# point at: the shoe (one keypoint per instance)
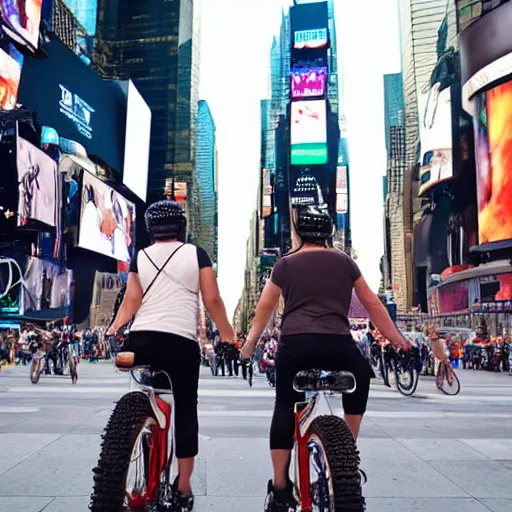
(183, 502)
(280, 501)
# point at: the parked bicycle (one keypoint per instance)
(137, 464)
(325, 455)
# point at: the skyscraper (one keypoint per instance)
(205, 171)
(156, 44)
(86, 12)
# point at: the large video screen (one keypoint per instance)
(11, 61)
(107, 220)
(308, 132)
(310, 39)
(37, 184)
(71, 98)
(24, 17)
(308, 82)
(435, 110)
(136, 152)
(493, 138)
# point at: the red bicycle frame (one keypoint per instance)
(158, 450)
(302, 462)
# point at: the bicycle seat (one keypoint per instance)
(125, 360)
(322, 380)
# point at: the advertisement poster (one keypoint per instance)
(24, 17)
(308, 132)
(435, 109)
(107, 220)
(341, 180)
(308, 82)
(341, 203)
(493, 134)
(310, 39)
(11, 62)
(37, 179)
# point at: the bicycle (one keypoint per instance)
(248, 364)
(446, 376)
(404, 368)
(324, 446)
(137, 459)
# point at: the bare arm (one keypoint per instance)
(266, 306)
(131, 303)
(378, 313)
(214, 304)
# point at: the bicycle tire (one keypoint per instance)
(454, 388)
(408, 390)
(73, 371)
(250, 374)
(126, 422)
(35, 374)
(342, 457)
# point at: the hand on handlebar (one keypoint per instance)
(404, 345)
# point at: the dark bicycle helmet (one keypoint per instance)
(166, 219)
(314, 223)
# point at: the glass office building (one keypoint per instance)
(156, 44)
(86, 12)
(206, 176)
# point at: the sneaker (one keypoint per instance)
(183, 502)
(279, 501)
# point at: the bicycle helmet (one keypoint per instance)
(165, 220)
(314, 223)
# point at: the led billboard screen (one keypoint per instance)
(11, 61)
(308, 82)
(37, 178)
(24, 17)
(493, 137)
(308, 132)
(310, 39)
(71, 98)
(136, 152)
(107, 220)
(435, 109)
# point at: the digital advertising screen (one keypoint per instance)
(107, 220)
(493, 139)
(37, 185)
(71, 98)
(11, 62)
(308, 82)
(309, 132)
(136, 152)
(310, 39)
(435, 110)
(24, 17)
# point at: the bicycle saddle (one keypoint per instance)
(125, 360)
(322, 380)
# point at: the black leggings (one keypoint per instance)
(309, 351)
(180, 358)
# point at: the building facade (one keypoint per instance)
(86, 12)
(206, 177)
(156, 44)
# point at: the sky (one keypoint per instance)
(235, 63)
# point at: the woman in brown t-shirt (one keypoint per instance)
(316, 282)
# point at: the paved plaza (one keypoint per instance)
(426, 453)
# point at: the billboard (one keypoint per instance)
(23, 17)
(493, 139)
(308, 132)
(107, 220)
(11, 61)
(37, 182)
(71, 98)
(310, 39)
(341, 180)
(136, 151)
(308, 82)
(435, 111)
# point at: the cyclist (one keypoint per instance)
(162, 294)
(316, 282)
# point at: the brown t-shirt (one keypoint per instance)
(317, 290)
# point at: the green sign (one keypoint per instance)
(314, 153)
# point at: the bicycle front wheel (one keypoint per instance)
(335, 480)
(450, 384)
(73, 371)
(406, 380)
(122, 473)
(35, 372)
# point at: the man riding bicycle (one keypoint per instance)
(316, 282)
(162, 295)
